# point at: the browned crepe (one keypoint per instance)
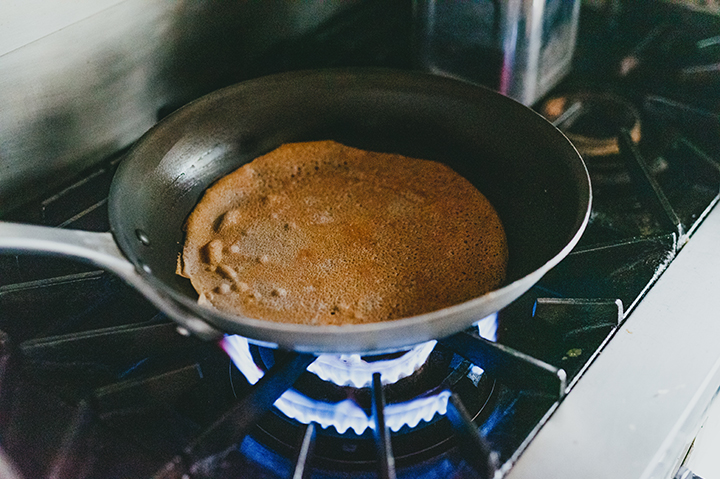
(320, 233)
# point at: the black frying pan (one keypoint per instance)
(528, 170)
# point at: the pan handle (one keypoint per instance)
(99, 249)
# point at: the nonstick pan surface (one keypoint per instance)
(528, 170)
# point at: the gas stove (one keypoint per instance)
(606, 367)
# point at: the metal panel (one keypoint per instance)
(87, 90)
(25, 21)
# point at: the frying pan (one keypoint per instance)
(527, 169)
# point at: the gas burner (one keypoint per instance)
(357, 371)
(343, 371)
(592, 121)
(352, 372)
(416, 410)
(595, 123)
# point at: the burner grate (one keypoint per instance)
(120, 378)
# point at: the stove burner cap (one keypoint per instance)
(592, 121)
(346, 414)
(353, 370)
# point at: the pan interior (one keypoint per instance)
(528, 171)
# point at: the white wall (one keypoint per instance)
(82, 79)
(24, 21)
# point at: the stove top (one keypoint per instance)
(605, 367)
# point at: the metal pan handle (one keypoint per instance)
(99, 249)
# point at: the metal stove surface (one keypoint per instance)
(605, 368)
(637, 409)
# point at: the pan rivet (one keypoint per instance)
(183, 331)
(143, 237)
(147, 269)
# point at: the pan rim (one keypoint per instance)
(326, 338)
